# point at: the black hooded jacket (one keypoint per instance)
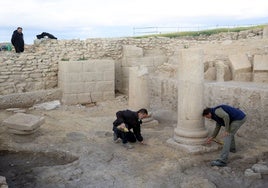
(18, 41)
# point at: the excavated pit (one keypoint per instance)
(17, 166)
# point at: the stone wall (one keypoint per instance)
(27, 72)
(37, 68)
(252, 98)
(84, 82)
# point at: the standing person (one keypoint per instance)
(17, 40)
(232, 119)
(126, 120)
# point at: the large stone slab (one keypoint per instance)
(20, 132)
(24, 122)
(240, 67)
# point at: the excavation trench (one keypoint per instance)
(17, 166)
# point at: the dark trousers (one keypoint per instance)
(125, 136)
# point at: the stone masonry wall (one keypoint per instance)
(87, 81)
(27, 72)
(37, 68)
(252, 98)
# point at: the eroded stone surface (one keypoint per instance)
(24, 122)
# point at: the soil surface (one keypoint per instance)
(75, 148)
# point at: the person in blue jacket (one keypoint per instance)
(127, 126)
(232, 119)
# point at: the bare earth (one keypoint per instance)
(75, 148)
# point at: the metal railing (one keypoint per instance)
(162, 30)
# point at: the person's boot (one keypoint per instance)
(233, 150)
(116, 138)
(218, 162)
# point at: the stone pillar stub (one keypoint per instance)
(265, 32)
(139, 92)
(190, 133)
(138, 88)
(220, 71)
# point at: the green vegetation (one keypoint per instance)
(65, 59)
(202, 33)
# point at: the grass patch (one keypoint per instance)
(202, 32)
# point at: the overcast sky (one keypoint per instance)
(81, 19)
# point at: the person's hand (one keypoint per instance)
(121, 126)
(225, 134)
(209, 140)
(143, 143)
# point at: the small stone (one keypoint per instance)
(260, 168)
(251, 174)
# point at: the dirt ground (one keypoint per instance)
(75, 148)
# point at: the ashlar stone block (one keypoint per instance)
(260, 63)
(24, 122)
(240, 64)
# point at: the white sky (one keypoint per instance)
(87, 15)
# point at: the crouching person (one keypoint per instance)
(127, 126)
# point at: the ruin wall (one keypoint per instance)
(36, 70)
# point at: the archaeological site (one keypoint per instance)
(58, 101)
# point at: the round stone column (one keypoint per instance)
(190, 127)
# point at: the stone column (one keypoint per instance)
(190, 133)
(139, 92)
(220, 71)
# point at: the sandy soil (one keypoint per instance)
(77, 142)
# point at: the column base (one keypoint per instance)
(193, 149)
(149, 122)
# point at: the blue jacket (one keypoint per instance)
(234, 114)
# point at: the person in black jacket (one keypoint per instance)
(231, 119)
(125, 121)
(45, 34)
(17, 40)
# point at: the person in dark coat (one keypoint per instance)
(45, 34)
(125, 121)
(231, 119)
(17, 40)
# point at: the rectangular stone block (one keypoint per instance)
(74, 66)
(260, 63)
(89, 76)
(24, 122)
(97, 96)
(108, 76)
(239, 64)
(69, 99)
(104, 65)
(90, 87)
(260, 77)
(105, 86)
(72, 88)
(89, 66)
(84, 98)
